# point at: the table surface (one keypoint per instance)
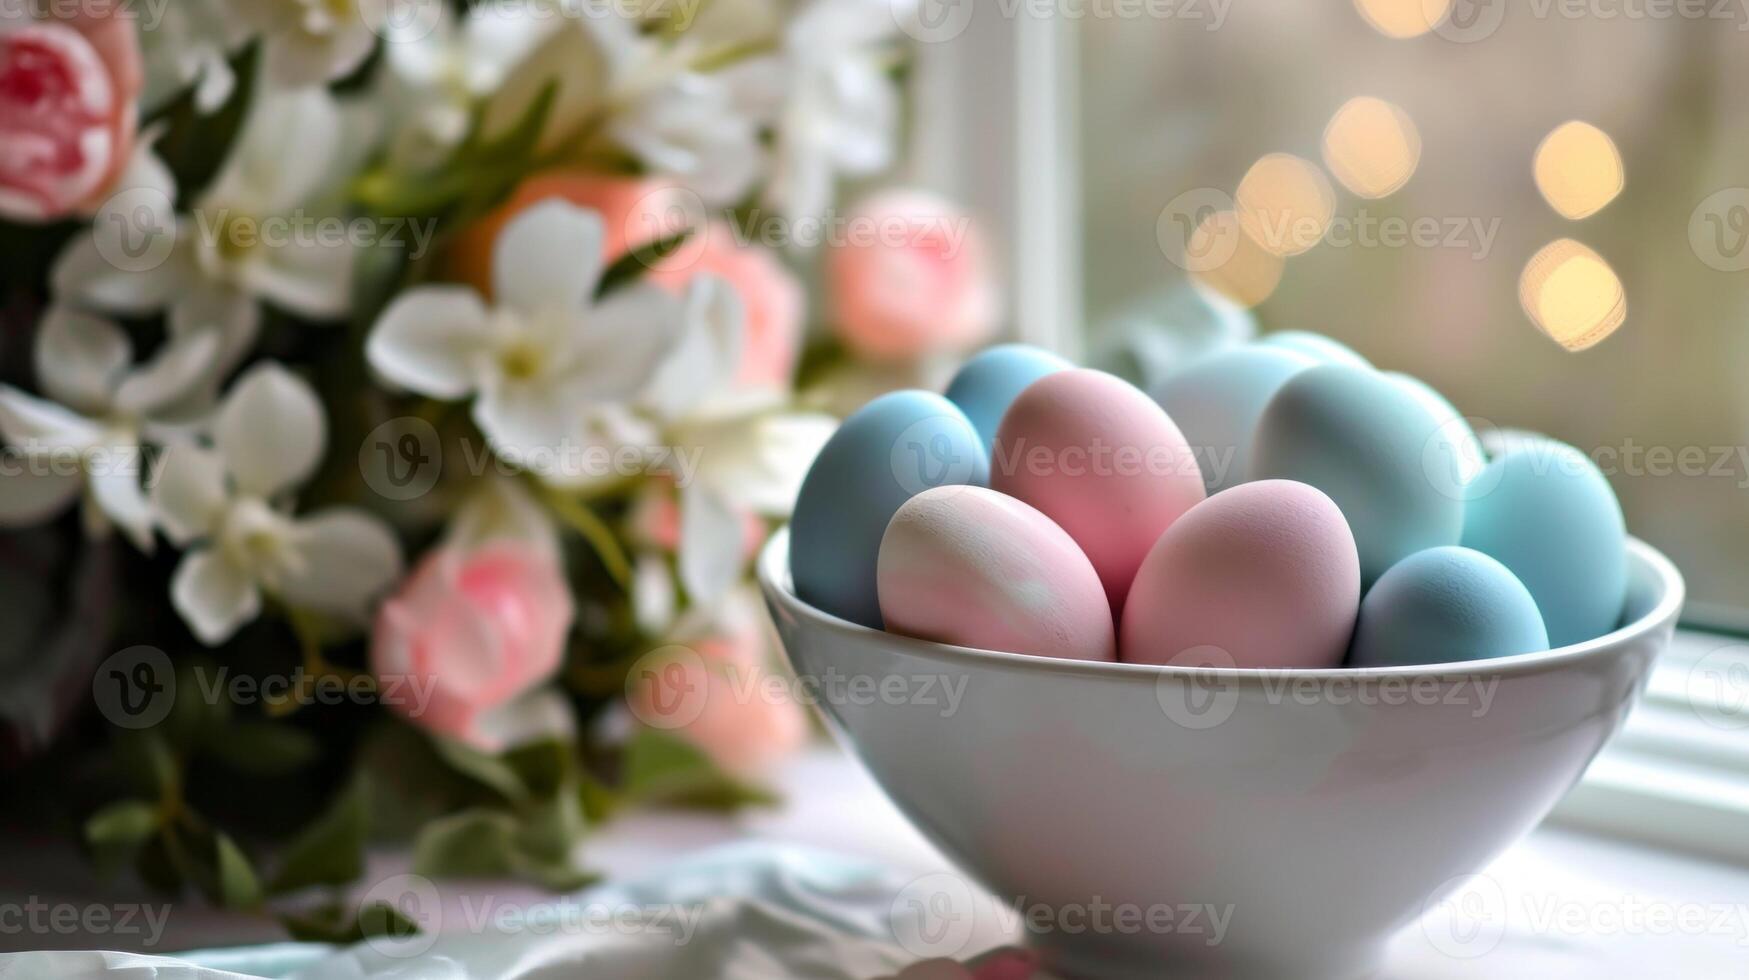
(1560, 904)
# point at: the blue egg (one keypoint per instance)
(1316, 346)
(1217, 401)
(986, 384)
(1446, 605)
(886, 452)
(1544, 510)
(1375, 449)
(1466, 448)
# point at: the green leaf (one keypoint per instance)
(264, 748)
(663, 768)
(383, 919)
(329, 851)
(631, 266)
(128, 822)
(482, 767)
(238, 886)
(118, 831)
(476, 843)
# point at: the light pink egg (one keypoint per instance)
(1266, 573)
(972, 567)
(1101, 459)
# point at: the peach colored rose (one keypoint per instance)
(68, 113)
(770, 294)
(722, 698)
(909, 275)
(468, 632)
(634, 211)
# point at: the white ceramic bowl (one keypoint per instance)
(1320, 810)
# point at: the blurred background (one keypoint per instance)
(1140, 119)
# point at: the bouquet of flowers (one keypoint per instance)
(393, 396)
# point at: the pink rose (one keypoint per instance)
(769, 291)
(655, 520)
(910, 276)
(68, 116)
(721, 698)
(468, 632)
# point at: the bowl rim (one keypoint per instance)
(774, 580)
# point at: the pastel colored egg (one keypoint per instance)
(1375, 448)
(988, 383)
(1544, 510)
(1217, 401)
(976, 568)
(888, 451)
(1465, 447)
(1101, 459)
(1446, 605)
(1316, 346)
(1265, 572)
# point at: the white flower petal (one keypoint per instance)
(282, 157)
(33, 491)
(213, 595)
(759, 461)
(711, 536)
(80, 358)
(624, 339)
(576, 58)
(347, 559)
(503, 509)
(188, 492)
(526, 422)
(181, 366)
(37, 425)
(81, 273)
(211, 305)
(270, 430)
(114, 478)
(548, 258)
(653, 596)
(313, 278)
(429, 340)
(705, 359)
(294, 57)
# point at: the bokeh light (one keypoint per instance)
(1578, 169)
(1371, 146)
(1285, 203)
(1572, 294)
(1403, 18)
(1248, 274)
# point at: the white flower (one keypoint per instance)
(751, 452)
(500, 508)
(437, 72)
(89, 435)
(226, 505)
(833, 106)
(191, 45)
(309, 42)
(247, 236)
(644, 95)
(547, 360)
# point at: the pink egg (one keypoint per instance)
(1265, 573)
(972, 567)
(1101, 459)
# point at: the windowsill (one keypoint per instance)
(1677, 775)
